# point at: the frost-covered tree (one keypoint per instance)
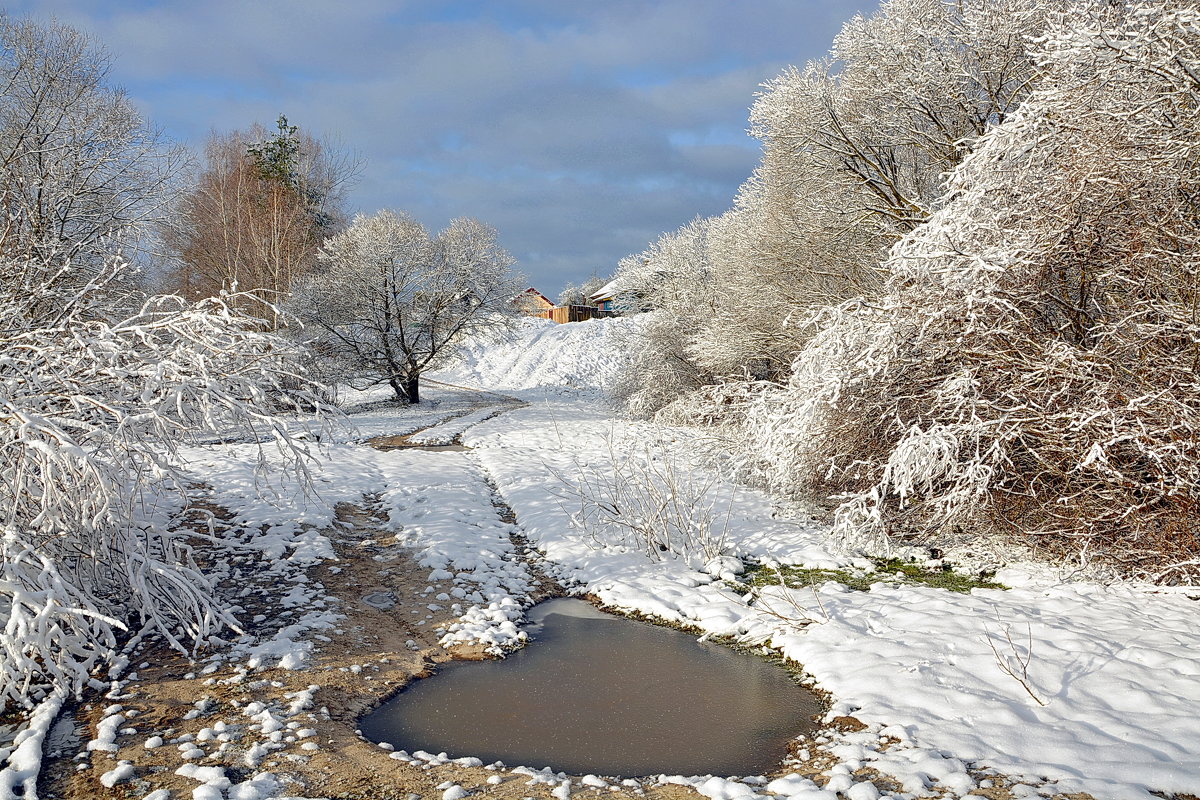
(391, 297)
(99, 387)
(856, 148)
(903, 95)
(93, 408)
(855, 152)
(581, 294)
(78, 165)
(1031, 367)
(671, 282)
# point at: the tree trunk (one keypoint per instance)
(407, 388)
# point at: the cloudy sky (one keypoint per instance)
(581, 130)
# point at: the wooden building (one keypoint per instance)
(604, 298)
(533, 302)
(561, 314)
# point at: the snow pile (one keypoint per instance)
(539, 354)
(494, 627)
(23, 762)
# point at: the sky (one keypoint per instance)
(580, 130)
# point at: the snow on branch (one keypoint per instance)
(93, 407)
(1031, 367)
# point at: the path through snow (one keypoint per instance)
(921, 702)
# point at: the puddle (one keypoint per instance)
(66, 736)
(8, 734)
(402, 443)
(384, 601)
(595, 693)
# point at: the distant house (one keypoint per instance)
(532, 302)
(603, 298)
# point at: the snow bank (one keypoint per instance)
(539, 354)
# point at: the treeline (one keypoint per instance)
(958, 298)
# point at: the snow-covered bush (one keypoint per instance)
(856, 148)
(671, 279)
(93, 406)
(1032, 365)
(649, 499)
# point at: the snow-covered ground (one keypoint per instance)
(1115, 669)
(573, 359)
(1047, 687)
(1106, 677)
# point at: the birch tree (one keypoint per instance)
(259, 211)
(80, 171)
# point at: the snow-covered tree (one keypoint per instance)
(93, 408)
(391, 297)
(855, 152)
(78, 165)
(1031, 368)
(671, 282)
(581, 294)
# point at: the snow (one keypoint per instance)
(1061, 686)
(541, 354)
(1115, 665)
(107, 730)
(118, 774)
(21, 765)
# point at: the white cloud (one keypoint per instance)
(581, 130)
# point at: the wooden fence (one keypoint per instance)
(561, 314)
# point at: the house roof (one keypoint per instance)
(535, 293)
(606, 291)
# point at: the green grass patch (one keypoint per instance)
(887, 570)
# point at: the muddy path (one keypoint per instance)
(184, 728)
(212, 728)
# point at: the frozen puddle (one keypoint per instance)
(594, 693)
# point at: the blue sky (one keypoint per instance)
(580, 130)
